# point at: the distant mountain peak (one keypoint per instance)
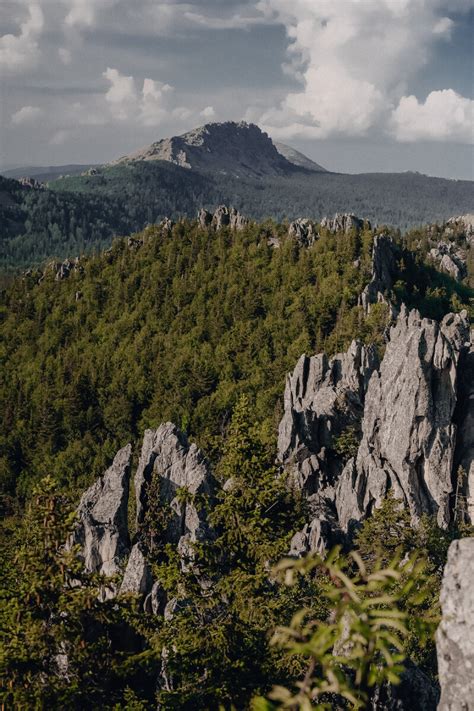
(233, 148)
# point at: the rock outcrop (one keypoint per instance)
(166, 225)
(222, 217)
(344, 223)
(455, 635)
(62, 270)
(303, 231)
(323, 397)
(409, 424)
(179, 465)
(384, 266)
(408, 434)
(102, 529)
(450, 259)
(184, 487)
(461, 226)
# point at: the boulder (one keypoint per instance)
(102, 529)
(455, 635)
(450, 259)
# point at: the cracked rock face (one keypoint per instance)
(408, 435)
(179, 465)
(384, 254)
(102, 529)
(455, 635)
(322, 398)
(413, 414)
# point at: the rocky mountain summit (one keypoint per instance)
(230, 148)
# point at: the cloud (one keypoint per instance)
(154, 102)
(152, 106)
(444, 115)
(26, 115)
(208, 113)
(20, 52)
(83, 13)
(353, 61)
(122, 95)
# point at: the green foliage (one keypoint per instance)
(80, 214)
(347, 443)
(217, 641)
(62, 645)
(171, 331)
(361, 645)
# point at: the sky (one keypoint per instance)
(357, 85)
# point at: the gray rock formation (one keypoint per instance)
(222, 217)
(408, 435)
(102, 529)
(137, 577)
(413, 415)
(237, 221)
(298, 159)
(323, 397)
(204, 218)
(167, 225)
(450, 259)
(180, 466)
(321, 533)
(134, 243)
(238, 149)
(344, 223)
(461, 226)
(31, 183)
(64, 269)
(303, 231)
(455, 635)
(384, 265)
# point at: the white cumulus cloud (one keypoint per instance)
(19, 52)
(150, 106)
(353, 60)
(122, 95)
(442, 116)
(26, 115)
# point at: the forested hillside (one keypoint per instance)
(81, 214)
(199, 327)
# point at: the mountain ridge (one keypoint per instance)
(238, 148)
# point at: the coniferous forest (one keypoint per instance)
(199, 327)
